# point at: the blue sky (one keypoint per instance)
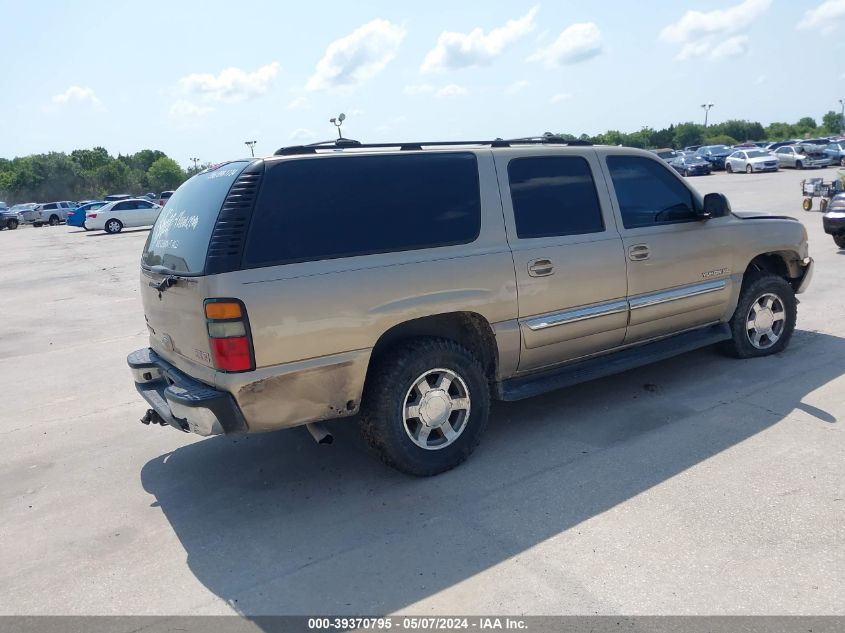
(198, 79)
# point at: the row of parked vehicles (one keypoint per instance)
(111, 214)
(752, 157)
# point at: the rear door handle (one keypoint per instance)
(540, 268)
(638, 252)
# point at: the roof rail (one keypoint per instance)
(343, 143)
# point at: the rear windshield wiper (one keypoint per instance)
(170, 278)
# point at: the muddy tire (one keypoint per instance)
(764, 319)
(425, 406)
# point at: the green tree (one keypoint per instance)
(687, 134)
(833, 122)
(165, 173)
(720, 139)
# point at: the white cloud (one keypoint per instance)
(760, 80)
(298, 104)
(183, 109)
(419, 89)
(703, 34)
(452, 90)
(77, 94)
(517, 86)
(357, 57)
(461, 50)
(560, 97)
(302, 134)
(577, 43)
(232, 85)
(735, 46)
(824, 17)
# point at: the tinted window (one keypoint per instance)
(554, 196)
(333, 207)
(50, 206)
(648, 193)
(179, 239)
(122, 206)
(143, 204)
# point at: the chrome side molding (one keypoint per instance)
(675, 294)
(579, 314)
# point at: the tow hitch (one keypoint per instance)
(152, 416)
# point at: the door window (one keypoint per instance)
(648, 193)
(553, 196)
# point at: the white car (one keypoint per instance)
(112, 217)
(751, 160)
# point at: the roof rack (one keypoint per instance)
(348, 143)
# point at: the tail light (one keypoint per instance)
(229, 336)
(90, 215)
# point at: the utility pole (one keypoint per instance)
(706, 107)
(251, 145)
(196, 160)
(842, 117)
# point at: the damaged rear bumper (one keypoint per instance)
(181, 401)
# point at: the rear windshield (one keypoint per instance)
(179, 239)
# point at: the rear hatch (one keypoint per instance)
(174, 265)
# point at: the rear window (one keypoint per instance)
(327, 208)
(179, 239)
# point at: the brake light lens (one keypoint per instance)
(229, 336)
(90, 215)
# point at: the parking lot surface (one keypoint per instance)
(699, 485)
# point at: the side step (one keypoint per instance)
(609, 364)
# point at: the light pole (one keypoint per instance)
(706, 107)
(196, 160)
(842, 117)
(251, 145)
(337, 122)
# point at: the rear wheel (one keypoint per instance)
(729, 169)
(425, 406)
(37, 225)
(799, 165)
(807, 204)
(842, 161)
(764, 319)
(54, 220)
(114, 226)
(12, 225)
(839, 240)
(748, 169)
(823, 205)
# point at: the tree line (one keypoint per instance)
(88, 174)
(682, 135)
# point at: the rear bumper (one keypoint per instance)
(181, 401)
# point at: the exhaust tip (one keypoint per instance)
(320, 433)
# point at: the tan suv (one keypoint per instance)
(412, 283)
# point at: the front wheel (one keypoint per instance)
(842, 162)
(807, 204)
(425, 406)
(823, 205)
(764, 319)
(748, 169)
(12, 225)
(839, 240)
(54, 220)
(729, 169)
(799, 165)
(114, 226)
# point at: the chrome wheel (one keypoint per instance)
(436, 409)
(765, 321)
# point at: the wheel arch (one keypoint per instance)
(468, 329)
(784, 264)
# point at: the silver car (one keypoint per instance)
(801, 156)
(751, 160)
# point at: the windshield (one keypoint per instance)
(23, 207)
(179, 239)
(718, 148)
(758, 154)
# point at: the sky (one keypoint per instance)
(196, 80)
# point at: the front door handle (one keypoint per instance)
(638, 252)
(540, 268)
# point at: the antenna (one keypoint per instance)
(337, 122)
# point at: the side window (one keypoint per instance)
(120, 206)
(648, 193)
(329, 207)
(50, 207)
(142, 204)
(552, 196)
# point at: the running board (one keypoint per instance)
(609, 364)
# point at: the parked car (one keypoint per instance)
(25, 210)
(117, 196)
(115, 216)
(9, 219)
(750, 161)
(3, 206)
(771, 147)
(692, 148)
(715, 155)
(52, 213)
(149, 196)
(691, 165)
(836, 152)
(78, 215)
(413, 286)
(164, 197)
(801, 156)
(833, 220)
(666, 154)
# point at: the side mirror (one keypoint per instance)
(716, 205)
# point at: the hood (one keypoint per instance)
(761, 215)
